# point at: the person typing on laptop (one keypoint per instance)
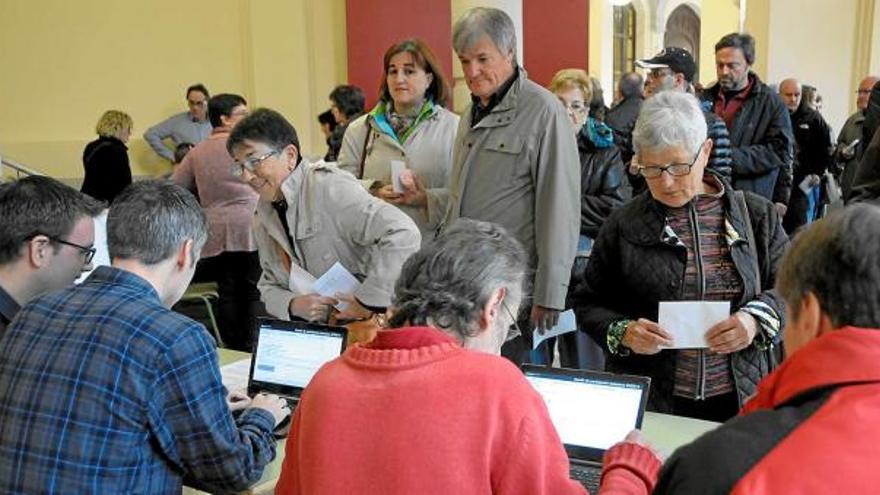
(104, 389)
(429, 406)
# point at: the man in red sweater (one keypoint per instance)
(430, 407)
(812, 426)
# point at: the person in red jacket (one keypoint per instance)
(430, 407)
(812, 427)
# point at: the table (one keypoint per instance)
(665, 433)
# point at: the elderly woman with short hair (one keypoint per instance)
(429, 407)
(105, 160)
(690, 237)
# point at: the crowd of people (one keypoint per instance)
(465, 232)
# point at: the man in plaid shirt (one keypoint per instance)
(103, 389)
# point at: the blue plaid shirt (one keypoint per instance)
(104, 390)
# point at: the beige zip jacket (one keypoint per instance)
(331, 218)
(427, 152)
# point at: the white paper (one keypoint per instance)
(301, 281)
(397, 168)
(688, 321)
(235, 375)
(565, 324)
(336, 280)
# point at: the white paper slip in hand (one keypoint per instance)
(336, 280)
(397, 168)
(688, 321)
(235, 376)
(565, 324)
(300, 281)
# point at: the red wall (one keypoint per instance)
(374, 25)
(554, 37)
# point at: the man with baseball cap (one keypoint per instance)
(673, 69)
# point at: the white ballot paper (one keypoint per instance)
(300, 281)
(688, 321)
(235, 375)
(565, 324)
(336, 280)
(397, 168)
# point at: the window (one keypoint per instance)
(624, 41)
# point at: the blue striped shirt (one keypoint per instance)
(104, 390)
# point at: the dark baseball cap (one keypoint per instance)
(676, 59)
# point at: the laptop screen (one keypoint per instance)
(288, 354)
(590, 410)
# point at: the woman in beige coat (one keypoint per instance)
(409, 125)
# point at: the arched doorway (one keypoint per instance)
(683, 31)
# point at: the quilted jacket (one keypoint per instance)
(633, 267)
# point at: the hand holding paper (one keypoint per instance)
(336, 280)
(732, 334)
(689, 321)
(565, 324)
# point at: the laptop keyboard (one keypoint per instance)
(587, 476)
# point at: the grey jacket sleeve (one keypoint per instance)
(349, 158)
(274, 283)
(156, 134)
(557, 210)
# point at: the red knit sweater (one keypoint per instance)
(415, 413)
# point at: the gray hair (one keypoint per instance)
(670, 119)
(450, 280)
(479, 21)
(149, 221)
(836, 259)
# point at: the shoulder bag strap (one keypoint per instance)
(366, 144)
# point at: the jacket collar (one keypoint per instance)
(504, 112)
(844, 356)
(647, 223)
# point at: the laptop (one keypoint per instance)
(287, 354)
(591, 411)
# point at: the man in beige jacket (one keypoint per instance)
(311, 216)
(515, 161)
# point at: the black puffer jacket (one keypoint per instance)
(601, 184)
(631, 270)
(761, 139)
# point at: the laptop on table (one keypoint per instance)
(287, 354)
(591, 411)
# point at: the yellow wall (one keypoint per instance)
(718, 17)
(758, 25)
(65, 62)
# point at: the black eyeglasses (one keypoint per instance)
(673, 169)
(87, 252)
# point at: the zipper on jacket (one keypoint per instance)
(701, 280)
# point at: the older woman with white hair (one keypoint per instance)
(429, 406)
(690, 237)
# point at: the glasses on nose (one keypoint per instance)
(658, 73)
(251, 164)
(575, 107)
(197, 103)
(863, 92)
(87, 252)
(673, 169)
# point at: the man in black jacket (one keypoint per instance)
(866, 184)
(760, 129)
(812, 158)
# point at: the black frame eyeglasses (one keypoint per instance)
(673, 169)
(87, 252)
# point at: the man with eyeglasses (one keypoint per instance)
(849, 142)
(674, 69)
(185, 127)
(311, 216)
(47, 239)
(105, 389)
(230, 254)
